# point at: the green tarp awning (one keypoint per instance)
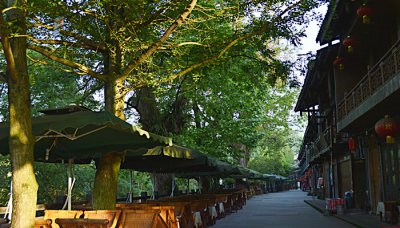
(175, 159)
(83, 135)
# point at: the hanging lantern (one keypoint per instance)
(339, 63)
(352, 144)
(387, 127)
(349, 43)
(365, 12)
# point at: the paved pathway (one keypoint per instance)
(282, 209)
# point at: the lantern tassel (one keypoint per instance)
(366, 19)
(350, 49)
(389, 139)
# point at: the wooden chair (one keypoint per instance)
(228, 204)
(202, 207)
(82, 223)
(4, 223)
(141, 219)
(111, 215)
(40, 222)
(48, 220)
(391, 212)
(182, 212)
(167, 212)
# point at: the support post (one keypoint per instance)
(70, 176)
(187, 192)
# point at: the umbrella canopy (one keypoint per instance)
(175, 159)
(83, 135)
(213, 167)
(243, 172)
(164, 159)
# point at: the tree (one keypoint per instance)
(135, 44)
(13, 39)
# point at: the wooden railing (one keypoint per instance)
(322, 144)
(377, 76)
(303, 168)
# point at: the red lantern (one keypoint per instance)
(349, 43)
(365, 12)
(339, 62)
(352, 144)
(387, 127)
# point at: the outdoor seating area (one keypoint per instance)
(144, 152)
(202, 210)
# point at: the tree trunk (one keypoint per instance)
(21, 140)
(105, 182)
(107, 170)
(163, 183)
(106, 178)
(150, 116)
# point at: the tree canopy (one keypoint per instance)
(208, 73)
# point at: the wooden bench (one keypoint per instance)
(391, 212)
(82, 223)
(167, 212)
(112, 216)
(48, 220)
(141, 219)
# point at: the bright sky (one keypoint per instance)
(309, 43)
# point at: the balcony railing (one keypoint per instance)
(302, 168)
(322, 144)
(377, 76)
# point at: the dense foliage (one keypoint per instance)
(208, 73)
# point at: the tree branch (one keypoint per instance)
(67, 43)
(163, 38)
(74, 65)
(5, 41)
(88, 42)
(229, 46)
(207, 61)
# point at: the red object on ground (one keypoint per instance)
(332, 203)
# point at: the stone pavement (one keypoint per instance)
(280, 210)
(356, 217)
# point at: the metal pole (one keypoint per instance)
(331, 178)
(187, 192)
(70, 174)
(173, 185)
(130, 196)
(153, 184)
(8, 213)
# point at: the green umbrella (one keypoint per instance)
(164, 159)
(212, 167)
(76, 133)
(82, 136)
(175, 159)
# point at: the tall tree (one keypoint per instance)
(13, 38)
(135, 44)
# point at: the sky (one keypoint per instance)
(309, 43)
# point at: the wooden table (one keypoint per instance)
(82, 223)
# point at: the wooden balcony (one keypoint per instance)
(379, 75)
(322, 144)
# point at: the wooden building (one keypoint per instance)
(352, 97)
